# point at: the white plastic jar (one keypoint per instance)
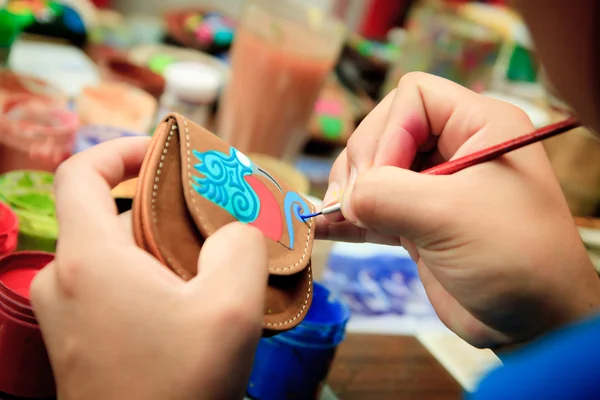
(191, 89)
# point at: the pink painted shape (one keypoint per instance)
(328, 107)
(204, 33)
(269, 219)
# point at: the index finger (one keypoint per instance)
(84, 205)
(427, 109)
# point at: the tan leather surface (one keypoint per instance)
(192, 183)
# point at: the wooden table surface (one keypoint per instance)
(375, 367)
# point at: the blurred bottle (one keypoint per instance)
(192, 89)
(281, 57)
(441, 41)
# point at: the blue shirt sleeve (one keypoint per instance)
(561, 365)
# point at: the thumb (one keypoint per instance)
(400, 202)
(233, 270)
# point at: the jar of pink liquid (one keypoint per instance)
(281, 57)
(35, 133)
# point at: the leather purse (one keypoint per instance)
(192, 183)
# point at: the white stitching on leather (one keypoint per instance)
(303, 307)
(189, 169)
(183, 273)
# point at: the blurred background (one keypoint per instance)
(286, 82)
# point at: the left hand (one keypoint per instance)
(117, 323)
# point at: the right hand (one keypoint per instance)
(496, 246)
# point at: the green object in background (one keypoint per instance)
(522, 65)
(11, 26)
(14, 19)
(331, 126)
(36, 232)
(365, 48)
(30, 195)
(40, 180)
(160, 62)
(38, 202)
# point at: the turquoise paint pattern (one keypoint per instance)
(294, 207)
(223, 183)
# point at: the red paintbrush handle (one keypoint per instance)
(498, 150)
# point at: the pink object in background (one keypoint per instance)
(328, 107)
(36, 129)
(35, 133)
(204, 34)
(9, 230)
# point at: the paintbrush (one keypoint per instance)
(485, 155)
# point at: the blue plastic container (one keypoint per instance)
(295, 364)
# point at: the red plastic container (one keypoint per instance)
(25, 369)
(9, 229)
(380, 16)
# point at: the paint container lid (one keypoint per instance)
(195, 82)
(39, 202)
(35, 210)
(17, 271)
(41, 180)
(30, 195)
(29, 191)
(37, 225)
(324, 324)
(9, 229)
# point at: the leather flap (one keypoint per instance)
(221, 185)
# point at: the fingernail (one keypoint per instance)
(348, 213)
(352, 178)
(347, 207)
(332, 196)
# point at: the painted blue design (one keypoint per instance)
(294, 206)
(223, 183)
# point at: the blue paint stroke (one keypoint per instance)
(293, 203)
(312, 215)
(223, 183)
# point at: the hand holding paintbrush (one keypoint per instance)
(494, 244)
(488, 154)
